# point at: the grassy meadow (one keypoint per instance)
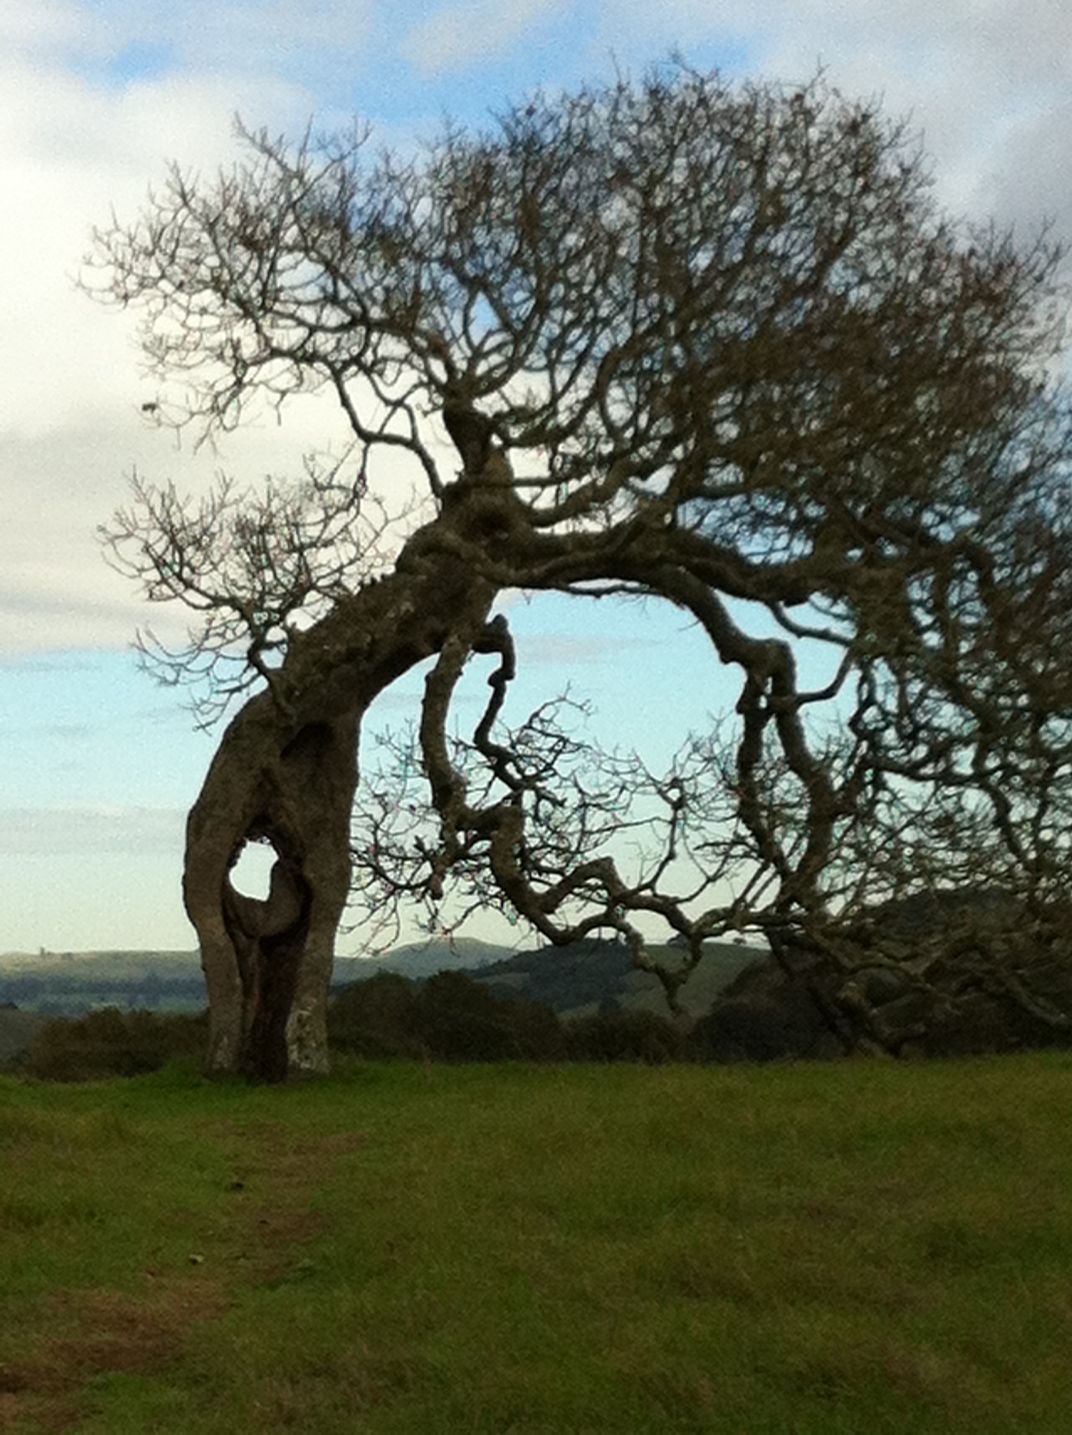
(815, 1249)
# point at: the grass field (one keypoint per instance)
(815, 1249)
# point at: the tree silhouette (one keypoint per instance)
(708, 344)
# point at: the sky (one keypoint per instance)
(98, 764)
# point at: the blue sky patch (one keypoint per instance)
(134, 64)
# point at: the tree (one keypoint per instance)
(671, 338)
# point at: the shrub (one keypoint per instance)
(449, 1017)
(377, 1018)
(111, 1043)
(463, 1021)
(625, 1035)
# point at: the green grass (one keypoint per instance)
(814, 1249)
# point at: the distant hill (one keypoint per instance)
(106, 963)
(576, 980)
(419, 960)
(579, 979)
(70, 983)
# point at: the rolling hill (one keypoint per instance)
(573, 980)
(578, 980)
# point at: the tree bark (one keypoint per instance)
(286, 772)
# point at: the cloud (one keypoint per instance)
(459, 36)
(58, 662)
(61, 732)
(72, 831)
(40, 25)
(569, 650)
(59, 485)
(109, 41)
(986, 84)
(84, 124)
(71, 153)
(981, 78)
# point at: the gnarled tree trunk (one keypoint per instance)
(286, 772)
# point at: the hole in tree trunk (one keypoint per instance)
(266, 902)
(251, 874)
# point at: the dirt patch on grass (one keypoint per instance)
(273, 1184)
(264, 1221)
(93, 1331)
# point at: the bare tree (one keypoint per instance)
(713, 345)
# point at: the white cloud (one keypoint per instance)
(39, 24)
(472, 33)
(71, 831)
(75, 146)
(987, 81)
(56, 662)
(261, 37)
(71, 154)
(568, 650)
(59, 485)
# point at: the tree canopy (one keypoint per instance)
(706, 343)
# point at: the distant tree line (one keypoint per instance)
(452, 1017)
(449, 1017)
(71, 993)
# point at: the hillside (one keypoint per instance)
(419, 960)
(71, 983)
(579, 979)
(573, 980)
